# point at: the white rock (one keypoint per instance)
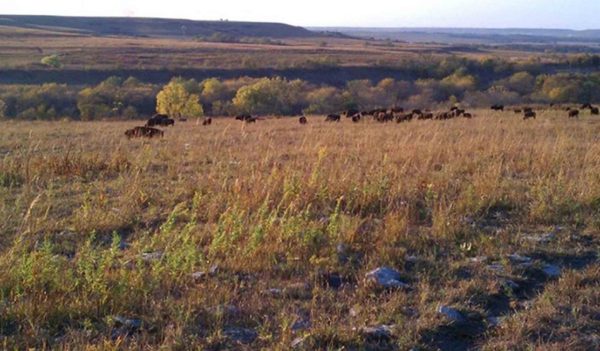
(452, 314)
(386, 277)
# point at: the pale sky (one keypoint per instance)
(571, 14)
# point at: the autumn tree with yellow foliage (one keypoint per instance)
(176, 101)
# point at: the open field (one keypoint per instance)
(494, 220)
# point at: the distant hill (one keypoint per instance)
(471, 35)
(154, 27)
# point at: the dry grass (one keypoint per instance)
(270, 203)
(23, 49)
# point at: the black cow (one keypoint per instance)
(332, 118)
(573, 113)
(351, 113)
(302, 120)
(207, 121)
(243, 117)
(497, 107)
(356, 118)
(160, 120)
(594, 111)
(529, 114)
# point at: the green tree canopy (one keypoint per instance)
(174, 100)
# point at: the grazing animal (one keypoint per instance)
(243, 117)
(182, 119)
(207, 121)
(467, 115)
(302, 120)
(160, 120)
(529, 114)
(594, 111)
(356, 118)
(397, 110)
(518, 110)
(587, 105)
(143, 132)
(351, 113)
(573, 113)
(250, 120)
(332, 118)
(497, 107)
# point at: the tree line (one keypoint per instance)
(130, 98)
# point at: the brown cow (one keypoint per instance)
(143, 132)
(207, 121)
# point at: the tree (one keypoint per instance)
(213, 90)
(521, 82)
(271, 96)
(324, 100)
(174, 100)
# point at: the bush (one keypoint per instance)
(51, 61)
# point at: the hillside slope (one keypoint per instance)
(154, 27)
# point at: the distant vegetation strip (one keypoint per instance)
(131, 98)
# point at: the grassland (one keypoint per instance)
(101, 236)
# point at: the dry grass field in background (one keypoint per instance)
(494, 218)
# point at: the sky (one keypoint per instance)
(568, 14)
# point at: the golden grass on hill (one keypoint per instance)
(96, 227)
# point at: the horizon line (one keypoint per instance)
(303, 26)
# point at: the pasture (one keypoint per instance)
(259, 236)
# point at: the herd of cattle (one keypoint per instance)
(528, 112)
(397, 114)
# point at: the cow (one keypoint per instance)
(586, 105)
(207, 121)
(351, 113)
(573, 113)
(529, 114)
(467, 115)
(594, 111)
(302, 120)
(160, 120)
(356, 118)
(518, 111)
(250, 120)
(332, 118)
(143, 132)
(397, 109)
(497, 107)
(182, 119)
(384, 117)
(243, 117)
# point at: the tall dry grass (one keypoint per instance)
(269, 204)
